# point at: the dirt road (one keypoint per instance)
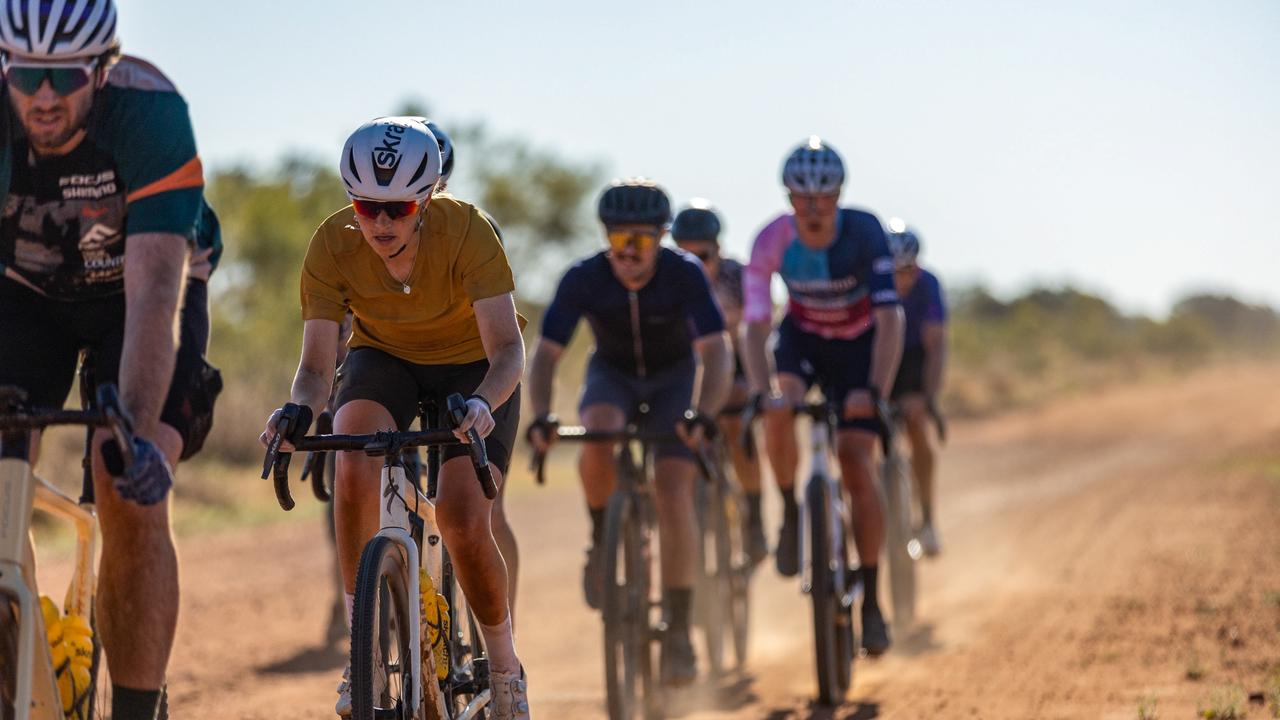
(1108, 552)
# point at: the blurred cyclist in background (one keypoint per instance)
(842, 331)
(696, 230)
(924, 360)
(655, 322)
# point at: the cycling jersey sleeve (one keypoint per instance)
(323, 297)
(482, 263)
(883, 291)
(705, 315)
(148, 132)
(562, 315)
(766, 259)
(936, 308)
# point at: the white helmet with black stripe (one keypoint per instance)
(814, 168)
(391, 158)
(58, 29)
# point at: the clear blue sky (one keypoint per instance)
(1133, 148)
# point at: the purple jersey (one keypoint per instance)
(924, 304)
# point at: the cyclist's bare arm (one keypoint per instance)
(154, 273)
(934, 338)
(715, 355)
(542, 373)
(313, 382)
(755, 357)
(503, 345)
(886, 352)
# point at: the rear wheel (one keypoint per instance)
(381, 665)
(628, 652)
(899, 541)
(833, 639)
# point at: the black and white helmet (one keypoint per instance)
(904, 243)
(391, 158)
(446, 151)
(58, 29)
(635, 201)
(814, 168)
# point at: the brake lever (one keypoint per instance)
(479, 455)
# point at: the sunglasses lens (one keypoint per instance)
(64, 80)
(394, 210)
(641, 241)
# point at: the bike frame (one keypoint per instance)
(21, 492)
(838, 515)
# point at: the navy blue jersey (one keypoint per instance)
(638, 332)
(923, 304)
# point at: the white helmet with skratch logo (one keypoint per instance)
(391, 158)
(58, 29)
(814, 168)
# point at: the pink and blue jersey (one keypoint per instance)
(832, 290)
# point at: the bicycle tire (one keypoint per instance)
(628, 652)
(712, 590)
(832, 622)
(739, 564)
(902, 565)
(8, 657)
(381, 617)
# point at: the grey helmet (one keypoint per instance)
(58, 29)
(814, 168)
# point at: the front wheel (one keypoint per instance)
(833, 639)
(381, 656)
(628, 652)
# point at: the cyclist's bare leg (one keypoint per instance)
(856, 451)
(747, 469)
(916, 414)
(780, 435)
(677, 521)
(465, 517)
(506, 539)
(355, 491)
(595, 462)
(137, 608)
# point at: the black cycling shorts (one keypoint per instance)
(401, 387)
(836, 366)
(667, 394)
(910, 373)
(41, 340)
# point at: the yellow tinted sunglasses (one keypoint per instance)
(641, 240)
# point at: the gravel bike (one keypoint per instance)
(32, 685)
(416, 653)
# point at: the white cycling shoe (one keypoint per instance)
(510, 696)
(343, 708)
(929, 541)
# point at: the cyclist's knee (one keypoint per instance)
(856, 453)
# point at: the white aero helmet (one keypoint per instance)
(814, 168)
(391, 158)
(446, 151)
(58, 29)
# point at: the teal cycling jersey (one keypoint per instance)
(64, 218)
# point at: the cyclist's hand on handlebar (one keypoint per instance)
(695, 428)
(147, 480)
(479, 418)
(296, 421)
(541, 433)
(859, 403)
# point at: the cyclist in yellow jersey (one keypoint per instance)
(430, 293)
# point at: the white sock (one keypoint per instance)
(351, 604)
(501, 646)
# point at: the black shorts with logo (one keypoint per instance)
(401, 387)
(41, 340)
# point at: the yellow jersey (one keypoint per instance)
(427, 320)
